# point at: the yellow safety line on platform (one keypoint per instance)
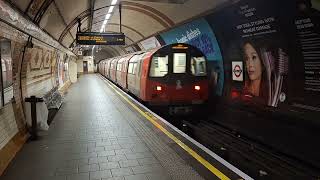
(204, 162)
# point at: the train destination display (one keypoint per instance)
(94, 38)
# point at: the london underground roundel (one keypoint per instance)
(237, 71)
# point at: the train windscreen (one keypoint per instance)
(179, 62)
(159, 66)
(198, 66)
(178, 59)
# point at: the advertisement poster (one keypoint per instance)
(149, 43)
(6, 67)
(61, 74)
(66, 68)
(199, 34)
(47, 59)
(129, 49)
(307, 69)
(250, 31)
(36, 56)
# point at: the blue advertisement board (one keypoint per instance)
(199, 34)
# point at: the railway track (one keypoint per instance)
(254, 158)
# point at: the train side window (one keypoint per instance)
(130, 68)
(111, 65)
(179, 62)
(139, 64)
(159, 66)
(119, 67)
(134, 71)
(198, 66)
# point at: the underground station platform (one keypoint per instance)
(102, 133)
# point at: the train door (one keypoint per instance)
(179, 78)
(125, 71)
(113, 70)
(138, 75)
(130, 77)
(144, 76)
(85, 67)
(118, 72)
(104, 68)
(108, 69)
(133, 77)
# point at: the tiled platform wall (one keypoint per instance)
(8, 125)
(38, 74)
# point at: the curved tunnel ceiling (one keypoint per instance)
(140, 18)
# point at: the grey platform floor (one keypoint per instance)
(97, 136)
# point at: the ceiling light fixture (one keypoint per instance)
(108, 16)
(102, 28)
(110, 9)
(114, 2)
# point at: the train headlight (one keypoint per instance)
(159, 88)
(197, 88)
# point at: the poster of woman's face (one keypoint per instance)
(255, 33)
(265, 68)
(253, 68)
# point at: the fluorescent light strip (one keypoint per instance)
(108, 16)
(114, 2)
(110, 9)
(102, 28)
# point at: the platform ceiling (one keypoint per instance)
(140, 18)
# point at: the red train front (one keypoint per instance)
(174, 76)
(177, 77)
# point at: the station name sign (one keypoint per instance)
(96, 38)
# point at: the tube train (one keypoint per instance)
(173, 77)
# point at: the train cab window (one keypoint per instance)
(179, 62)
(159, 66)
(198, 66)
